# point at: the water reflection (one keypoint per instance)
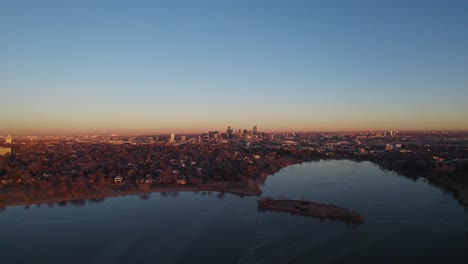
(144, 196)
(220, 195)
(78, 203)
(457, 187)
(97, 200)
(451, 184)
(169, 194)
(351, 224)
(75, 203)
(181, 227)
(62, 203)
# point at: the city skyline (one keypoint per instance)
(160, 67)
(181, 129)
(221, 131)
(272, 131)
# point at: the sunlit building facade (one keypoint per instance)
(4, 151)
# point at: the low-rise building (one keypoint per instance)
(4, 151)
(118, 179)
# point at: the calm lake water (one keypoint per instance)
(406, 221)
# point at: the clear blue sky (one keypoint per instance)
(192, 66)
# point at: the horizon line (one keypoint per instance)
(199, 133)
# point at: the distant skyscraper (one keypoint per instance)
(255, 130)
(8, 139)
(172, 138)
(217, 135)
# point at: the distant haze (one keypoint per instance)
(192, 66)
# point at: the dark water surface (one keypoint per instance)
(406, 221)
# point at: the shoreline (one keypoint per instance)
(241, 188)
(115, 193)
(245, 187)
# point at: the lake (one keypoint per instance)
(406, 221)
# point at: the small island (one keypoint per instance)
(307, 208)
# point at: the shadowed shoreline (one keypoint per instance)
(26, 195)
(21, 195)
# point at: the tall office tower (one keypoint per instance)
(172, 138)
(255, 130)
(239, 132)
(8, 139)
(229, 132)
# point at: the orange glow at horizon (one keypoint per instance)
(63, 127)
